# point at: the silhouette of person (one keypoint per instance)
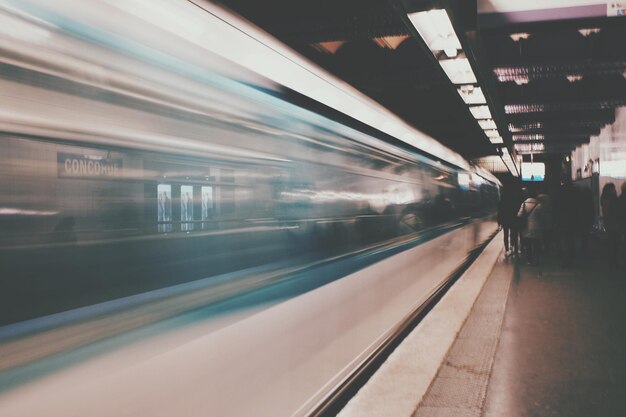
(168, 208)
(611, 220)
(507, 219)
(161, 206)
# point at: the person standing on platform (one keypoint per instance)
(507, 220)
(530, 228)
(611, 221)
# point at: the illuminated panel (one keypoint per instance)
(530, 147)
(435, 27)
(458, 70)
(487, 124)
(533, 171)
(471, 94)
(538, 136)
(480, 112)
(614, 169)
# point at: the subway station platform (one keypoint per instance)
(537, 340)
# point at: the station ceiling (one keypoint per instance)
(553, 78)
(559, 67)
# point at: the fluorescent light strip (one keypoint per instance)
(480, 112)
(492, 133)
(471, 94)
(487, 124)
(458, 70)
(435, 27)
(496, 140)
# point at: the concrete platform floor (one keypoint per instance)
(562, 349)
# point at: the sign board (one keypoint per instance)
(87, 166)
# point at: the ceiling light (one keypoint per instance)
(328, 47)
(496, 139)
(458, 70)
(451, 52)
(492, 133)
(519, 36)
(530, 147)
(521, 80)
(480, 112)
(435, 27)
(535, 136)
(390, 42)
(588, 31)
(524, 126)
(572, 78)
(471, 94)
(487, 124)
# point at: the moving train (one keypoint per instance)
(153, 149)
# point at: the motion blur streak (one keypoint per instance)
(164, 184)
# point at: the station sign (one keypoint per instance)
(87, 166)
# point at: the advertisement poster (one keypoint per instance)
(164, 207)
(186, 206)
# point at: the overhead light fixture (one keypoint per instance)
(572, 78)
(496, 140)
(390, 42)
(458, 70)
(521, 80)
(435, 27)
(471, 94)
(534, 136)
(480, 112)
(492, 133)
(516, 37)
(487, 124)
(588, 31)
(328, 47)
(513, 128)
(451, 52)
(530, 147)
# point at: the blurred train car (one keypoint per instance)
(137, 155)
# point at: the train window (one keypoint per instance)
(207, 202)
(164, 208)
(186, 207)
